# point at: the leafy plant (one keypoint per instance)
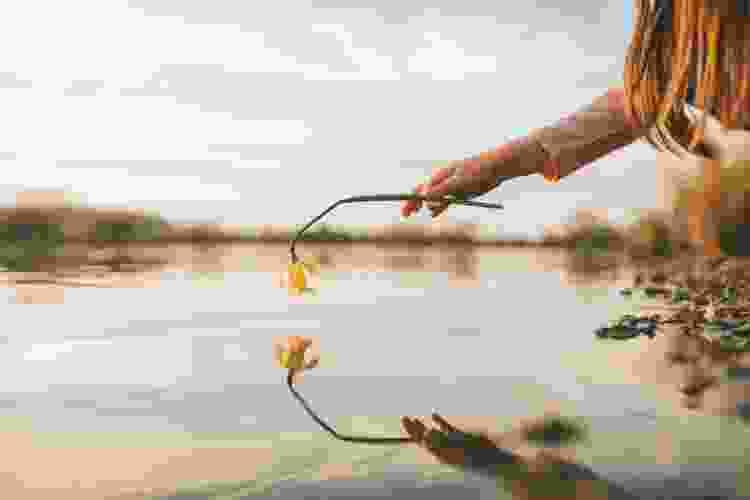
(651, 235)
(123, 231)
(680, 294)
(22, 245)
(326, 233)
(556, 430)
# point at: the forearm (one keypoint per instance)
(586, 135)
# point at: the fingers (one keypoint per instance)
(427, 437)
(443, 424)
(438, 177)
(410, 206)
(440, 185)
(415, 429)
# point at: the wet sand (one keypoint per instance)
(33, 472)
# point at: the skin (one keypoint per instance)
(477, 175)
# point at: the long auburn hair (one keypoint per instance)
(675, 41)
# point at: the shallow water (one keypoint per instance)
(181, 359)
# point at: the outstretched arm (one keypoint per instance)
(544, 476)
(586, 135)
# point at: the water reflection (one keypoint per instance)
(695, 366)
(690, 370)
(705, 375)
(587, 268)
(457, 260)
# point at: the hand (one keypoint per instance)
(465, 179)
(544, 476)
(478, 175)
(454, 447)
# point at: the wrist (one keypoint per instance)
(517, 158)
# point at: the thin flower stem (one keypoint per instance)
(387, 197)
(321, 422)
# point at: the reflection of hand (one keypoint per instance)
(457, 448)
(544, 476)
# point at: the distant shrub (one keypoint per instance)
(599, 237)
(22, 245)
(124, 231)
(324, 232)
(652, 236)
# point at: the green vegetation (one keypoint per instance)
(324, 232)
(596, 239)
(24, 245)
(731, 335)
(653, 235)
(149, 229)
(734, 239)
(556, 430)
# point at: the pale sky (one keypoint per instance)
(266, 112)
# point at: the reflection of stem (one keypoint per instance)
(351, 439)
(388, 197)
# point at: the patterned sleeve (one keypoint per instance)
(586, 135)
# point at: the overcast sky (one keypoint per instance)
(265, 112)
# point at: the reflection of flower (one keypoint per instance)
(291, 354)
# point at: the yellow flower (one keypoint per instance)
(291, 354)
(296, 279)
(296, 276)
(312, 265)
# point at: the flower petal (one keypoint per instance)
(284, 359)
(296, 279)
(311, 266)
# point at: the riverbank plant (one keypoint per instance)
(24, 246)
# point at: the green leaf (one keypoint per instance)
(743, 329)
(734, 344)
(729, 295)
(621, 332)
(680, 294)
(712, 330)
(652, 291)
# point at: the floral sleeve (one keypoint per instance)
(586, 135)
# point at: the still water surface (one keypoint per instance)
(182, 357)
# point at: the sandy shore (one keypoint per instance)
(32, 472)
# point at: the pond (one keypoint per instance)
(164, 381)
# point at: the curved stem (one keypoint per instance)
(323, 424)
(387, 197)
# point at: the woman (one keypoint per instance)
(684, 57)
(687, 91)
